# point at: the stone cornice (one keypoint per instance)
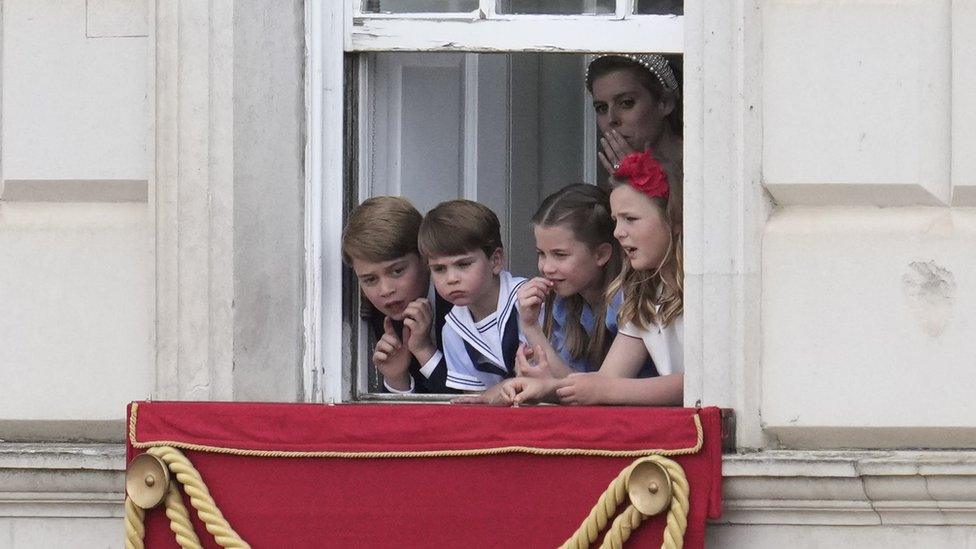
(61, 480)
(851, 488)
(773, 487)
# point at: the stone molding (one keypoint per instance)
(850, 488)
(778, 487)
(62, 480)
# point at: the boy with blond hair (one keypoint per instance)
(461, 242)
(380, 244)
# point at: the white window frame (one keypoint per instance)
(725, 207)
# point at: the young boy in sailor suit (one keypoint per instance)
(406, 317)
(462, 244)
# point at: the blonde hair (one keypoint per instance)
(584, 210)
(657, 297)
(458, 227)
(382, 228)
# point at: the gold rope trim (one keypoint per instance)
(418, 453)
(201, 500)
(630, 518)
(135, 529)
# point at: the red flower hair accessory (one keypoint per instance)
(644, 173)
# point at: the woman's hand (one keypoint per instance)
(531, 296)
(585, 389)
(532, 362)
(615, 148)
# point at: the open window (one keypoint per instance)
(475, 99)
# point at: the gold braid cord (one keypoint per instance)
(179, 517)
(135, 530)
(631, 518)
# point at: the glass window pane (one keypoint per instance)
(506, 128)
(419, 6)
(555, 7)
(660, 7)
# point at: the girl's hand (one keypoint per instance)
(531, 296)
(585, 389)
(531, 391)
(499, 394)
(532, 362)
(392, 359)
(417, 318)
(615, 148)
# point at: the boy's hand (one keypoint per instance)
(585, 389)
(532, 362)
(417, 318)
(531, 296)
(392, 359)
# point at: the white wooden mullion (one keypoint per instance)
(469, 176)
(366, 130)
(487, 8)
(395, 134)
(554, 34)
(625, 9)
(352, 12)
(589, 142)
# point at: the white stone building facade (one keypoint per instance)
(172, 177)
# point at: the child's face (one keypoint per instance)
(467, 279)
(572, 265)
(623, 104)
(391, 285)
(641, 229)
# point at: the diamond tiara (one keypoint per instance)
(653, 62)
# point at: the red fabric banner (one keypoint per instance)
(354, 493)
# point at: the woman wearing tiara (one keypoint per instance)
(638, 106)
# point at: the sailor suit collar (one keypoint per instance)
(474, 333)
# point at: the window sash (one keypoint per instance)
(486, 10)
(493, 33)
(486, 31)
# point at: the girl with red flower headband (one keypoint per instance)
(646, 204)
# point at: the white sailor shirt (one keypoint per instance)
(480, 354)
